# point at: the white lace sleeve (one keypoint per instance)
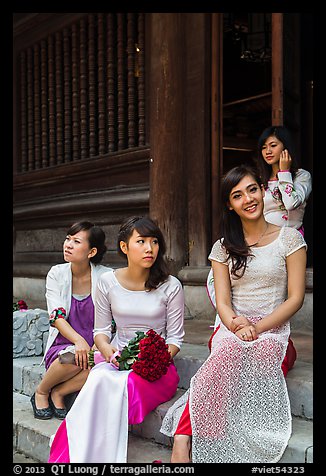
(292, 240)
(218, 252)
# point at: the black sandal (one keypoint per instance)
(59, 413)
(41, 413)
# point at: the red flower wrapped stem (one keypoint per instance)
(20, 305)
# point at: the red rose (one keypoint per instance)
(147, 355)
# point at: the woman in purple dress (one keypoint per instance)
(70, 290)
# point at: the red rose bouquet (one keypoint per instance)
(147, 355)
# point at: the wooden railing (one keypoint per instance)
(82, 91)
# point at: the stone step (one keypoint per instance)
(299, 450)
(31, 438)
(146, 444)
(299, 378)
(27, 373)
(34, 434)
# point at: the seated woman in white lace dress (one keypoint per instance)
(237, 408)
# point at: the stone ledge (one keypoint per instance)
(197, 275)
(31, 436)
(27, 373)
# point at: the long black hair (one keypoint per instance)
(146, 226)
(230, 226)
(96, 238)
(283, 135)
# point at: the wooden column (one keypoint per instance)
(216, 118)
(168, 180)
(198, 120)
(277, 69)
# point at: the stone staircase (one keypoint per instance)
(31, 437)
(146, 443)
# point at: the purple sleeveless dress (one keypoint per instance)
(81, 318)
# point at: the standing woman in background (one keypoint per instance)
(287, 187)
(70, 291)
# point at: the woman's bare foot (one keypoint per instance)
(181, 449)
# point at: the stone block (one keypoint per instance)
(30, 331)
